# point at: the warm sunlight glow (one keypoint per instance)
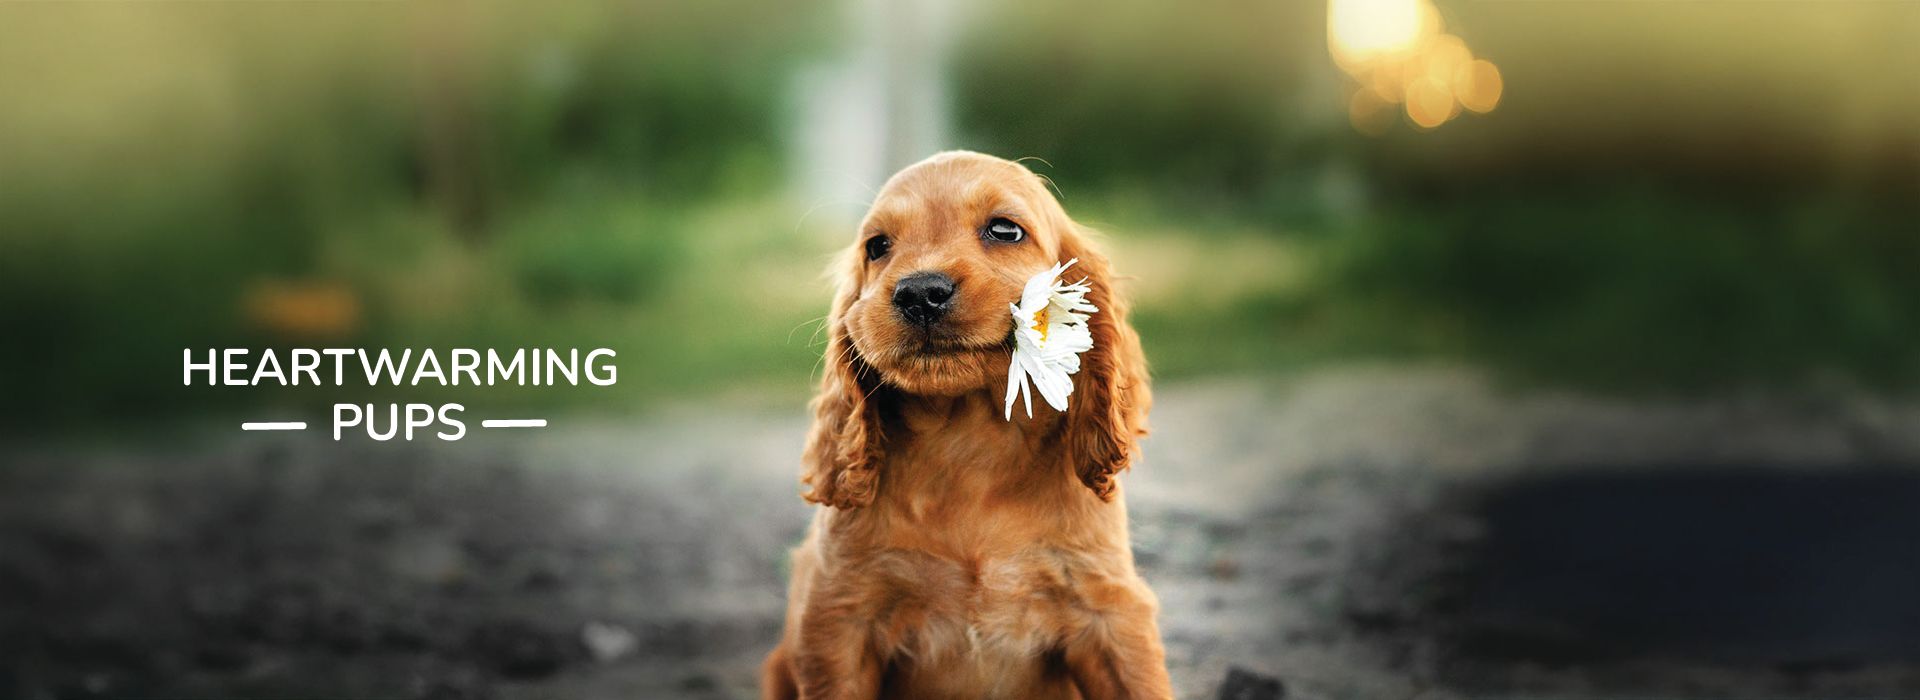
(1384, 82)
(1362, 29)
(1397, 52)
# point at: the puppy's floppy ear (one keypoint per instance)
(1108, 411)
(843, 451)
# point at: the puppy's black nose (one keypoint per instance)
(923, 297)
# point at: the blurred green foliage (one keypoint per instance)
(614, 175)
(1166, 98)
(473, 175)
(1636, 286)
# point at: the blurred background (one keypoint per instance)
(1551, 348)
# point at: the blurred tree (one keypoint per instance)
(451, 150)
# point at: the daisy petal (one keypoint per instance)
(1050, 332)
(1014, 379)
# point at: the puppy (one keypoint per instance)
(960, 554)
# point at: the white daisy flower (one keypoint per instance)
(1050, 332)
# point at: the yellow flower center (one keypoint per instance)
(1040, 323)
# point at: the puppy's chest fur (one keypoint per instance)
(996, 624)
(985, 553)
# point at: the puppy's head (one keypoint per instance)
(922, 309)
(948, 243)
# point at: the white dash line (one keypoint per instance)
(292, 425)
(533, 423)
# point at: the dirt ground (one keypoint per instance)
(1356, 533)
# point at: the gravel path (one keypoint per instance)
(1330, 531)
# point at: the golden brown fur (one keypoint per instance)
(960, 555)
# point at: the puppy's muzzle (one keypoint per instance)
(924, 298)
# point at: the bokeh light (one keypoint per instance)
(1429, 103)
(1398, 52)
(1477, 84)
(1444, 55)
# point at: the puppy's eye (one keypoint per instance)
(1004, 231)
(878, 246)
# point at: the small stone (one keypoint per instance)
(699, 683)
(406, 631)
(1224, 569)
(457, 686)
(224, 658)
(542, 578)
(606, 641)
(1242, 684)
(518, 650)
(345, 631)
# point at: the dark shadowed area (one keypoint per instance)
(1731, 565)
(1331, 533)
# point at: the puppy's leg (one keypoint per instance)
(776, 676)
(1120, 656)
(835, 659)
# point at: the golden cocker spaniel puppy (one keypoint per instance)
(959, 554)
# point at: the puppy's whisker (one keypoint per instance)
(846, 177)
(819, 322)
(1042, 161)
(817, 206)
